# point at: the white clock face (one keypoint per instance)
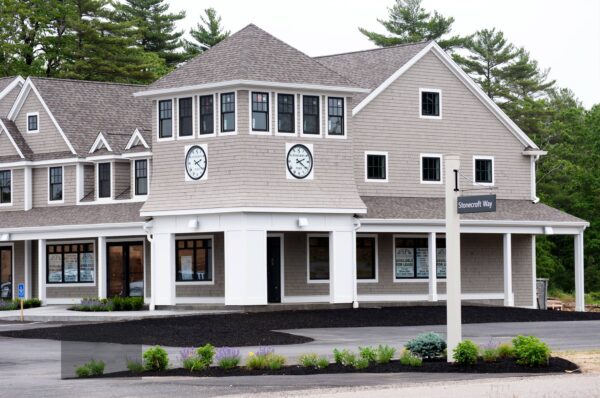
(195, 162)
(299, 161)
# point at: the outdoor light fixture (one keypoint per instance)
(303, 222)
(194, 223)
(4, 237)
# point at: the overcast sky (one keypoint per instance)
(562, 35)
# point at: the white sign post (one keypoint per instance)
(453, 290)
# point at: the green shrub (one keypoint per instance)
(465, 353)
(322, 363)
(344, 357)
(337, 356)
(367, 353)
(361, 363)
(489, 354)
(92, 368)
(427, 345)
(275, 361)
(156, 358)
(256, 361)
(82, 371)
(8, 305)
(505, 350)
(384, 354)
(409, 359)
(207, 354)
(308, 360)
(531, 351)
(194, 363)
(135, 366)
(227, 357)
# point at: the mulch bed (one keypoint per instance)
(257, 328)
(556, 365)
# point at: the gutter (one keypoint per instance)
(356, 226)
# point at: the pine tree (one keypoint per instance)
(408, 22)
(155, 27)
(208, 32)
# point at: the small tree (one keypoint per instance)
(208, 32)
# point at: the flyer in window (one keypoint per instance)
(405, 262)
(187, 273)
(55, 267)
(441, 262)
(86, 267)
(70, 267)
(422, 262)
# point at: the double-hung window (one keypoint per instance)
(104, 180)
(165, 119)
(431, 168)
(310, 114)
(318, 258)
(5, 186)
(285, 113)
(411, 258)
(366, 257)
(55, 176)
(32, 122)
(194, 260)
(431, 106)
(70, 263)
(483, 170)
(227, 112)
(207, 114)
(141, 177)
(335, 116)
(376, 166)
(186, 110)
(260, 111)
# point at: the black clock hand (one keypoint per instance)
(301, 163)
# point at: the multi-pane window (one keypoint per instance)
(431, 169)
(411, 258)
(141, 177)
(260, 111)
(430, 103)
(165, 119)
(376, 167)
(484, 172)
(227, 112)
(70, 263)
(285, 113)
(335, 116)
(32, 122)
(56, 183)
(5, 187)
(207, 114)
(104, 180)
(194, 260)
(186, 124)
(310, 114)
(318, 258)
(366, 257)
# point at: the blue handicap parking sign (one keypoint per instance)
(21, 290)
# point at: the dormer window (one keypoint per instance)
(33, 122)
(310, 114)
(6, 187)
(227, 112)
(55, 188)
(335, 116)
(104, 180)
(165, 119)
(431, 103)
(260, 111)
(186, 125)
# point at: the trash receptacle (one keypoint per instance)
(542, 293)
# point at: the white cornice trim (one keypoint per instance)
(534, 153)
(99, 143)
(251, 210)
(491, 223)
(251, 83)
(17, 80)
(130, 155)
(136, 137)
(10, 137)
(27, 87)
(76, 227)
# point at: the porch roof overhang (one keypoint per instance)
(401, 214)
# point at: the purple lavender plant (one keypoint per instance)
(227, 357)
(186, 353)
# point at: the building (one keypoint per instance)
(255, 174)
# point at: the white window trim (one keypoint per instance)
(100, 143)
(12, 193)
(173, 116)
(431, 155)
(410, 280)
(50, 201)
(345, 127)
(376, 280)
(132, 182)
(73, 284)
(276, 110)
(485, 184)
(302, 134)
(212, 261)
(316, 281)
(215, 115)
(429, 90)
(269, 114)
(112, 179)
(37, 115)
(187, 137)
(235, 113)
(387, 169)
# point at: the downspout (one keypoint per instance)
(148, 230)
(354, 280)
(534, 197)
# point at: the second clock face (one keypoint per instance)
(299, 161)
(195, 162)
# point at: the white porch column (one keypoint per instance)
(341, 289)
(579, 287)
(163, 263)
(102, 276)
(432, 265)
(42, 270)
(246, 267)
(27, 263)
(27, 189)
(509, 300)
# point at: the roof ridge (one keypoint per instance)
(86, 81)
(374, 49)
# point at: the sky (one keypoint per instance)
(563, 36)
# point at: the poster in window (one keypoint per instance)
(71, 267)
(441, 262)
(405, 262)
(55, 267)
(86, 267)
(187, 273)
(422, 262)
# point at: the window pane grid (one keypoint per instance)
(56, 183)
(185, 117)
(412, 258)
(483, 171)
(141, 177)
(104, 180)
(318, 258)
(430, 103)
(310, 109)
(376, 168)
(227, 112)
(335, 116)
(5, 186)
(431, 169)
(260, 111)
(165, 121)
(206, 114)
(194, 260)
(285, 113)
(32, 122)
(70, 263)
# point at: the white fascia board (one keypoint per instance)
(25, 163)
(11, 139)
(251, 210)
(250, 83)
(130, 155)
(27, 87)
(137, 135)
(491, 223)
(77, 228)
(18, 80)
(100, 140)
(534, 153)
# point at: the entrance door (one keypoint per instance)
(6, 272)
(274, 269)
(125, 262)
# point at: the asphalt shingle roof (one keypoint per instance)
(5, 81)
(18, 138)
(252, 54)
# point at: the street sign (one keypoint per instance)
(476, 204)
(21, 290)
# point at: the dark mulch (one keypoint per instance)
(256, 328)
(556, 365)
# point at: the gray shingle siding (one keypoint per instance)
(8, 100)
(122, 176)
